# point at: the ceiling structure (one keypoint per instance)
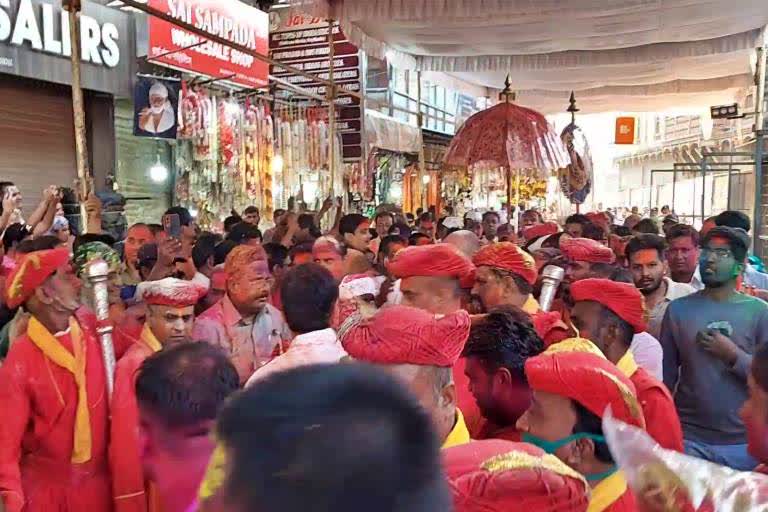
(629, 55)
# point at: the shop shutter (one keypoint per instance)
(37, 142)
(146, 201)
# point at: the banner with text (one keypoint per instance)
(303, 42)
(229, 19)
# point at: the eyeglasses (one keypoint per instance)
(719, 253)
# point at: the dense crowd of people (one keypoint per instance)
(394, 363)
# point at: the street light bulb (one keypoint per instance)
(158, 173)
(425, 179)
(277, 164)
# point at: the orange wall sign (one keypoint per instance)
(625, 130)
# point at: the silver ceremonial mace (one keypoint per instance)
(98, 275)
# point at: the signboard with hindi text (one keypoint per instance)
(229, 19)
(303, 42)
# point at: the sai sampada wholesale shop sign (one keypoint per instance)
(229, 19)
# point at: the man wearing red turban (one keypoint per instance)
(573, 385)
(499, 476)
(610, 314)
(420, 349)
(505, 276)
(433, 277)
(437, 278)
(586, 258)
(53, 436)
(170, 305)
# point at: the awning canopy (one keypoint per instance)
(629, 55)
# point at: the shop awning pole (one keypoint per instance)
(422, 159)
(757, 213)
(331, 93)
(78, 109)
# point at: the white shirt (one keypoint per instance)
(315, 347)
(648, 354)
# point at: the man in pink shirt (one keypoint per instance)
(243, 322)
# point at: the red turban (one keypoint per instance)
(404, 335)
(32, 271)
(439, 260)
(550, 327)
(587, 378)
(586, 249)
(172, 292)
(508, 256)
(495, 475)
(622, 298)
(539, 230)
(600, 219)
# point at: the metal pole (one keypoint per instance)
(98, 275)
(703, 186)
(331, 111)
(759, 149)
(78, 110)
(674, 185)
(422, 158)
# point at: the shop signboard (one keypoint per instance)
(35, 43)
(625, 130)
(230, 19)
(303, 42)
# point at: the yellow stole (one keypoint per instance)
(531, 305)
(149, 339)
(75, 364)
(459, 434)
(627, 364)
(607, 492)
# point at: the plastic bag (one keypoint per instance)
(668, 481)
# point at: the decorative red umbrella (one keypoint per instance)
(508, 136)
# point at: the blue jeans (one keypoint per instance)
(731, 455)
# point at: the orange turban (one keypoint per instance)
(585, 377)
(172, 292)
(539, 230)
(495, 476)
(508, 256)
(439, 260)
(586, 249)
(32, 271)
(404, 335)
(622, 298)
(241, 256)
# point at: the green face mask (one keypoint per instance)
(551, 446)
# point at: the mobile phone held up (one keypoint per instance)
(172, 225)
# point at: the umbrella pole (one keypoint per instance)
(517, 199)
(509, 195)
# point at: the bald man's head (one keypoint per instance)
(465, 241)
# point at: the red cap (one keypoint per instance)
(576, 369)
(498, 476)
(586, 249)
(438, 260)
(622, 298)
(547, 228)
(32, 271)
(405, 335)
(507, 256)
(172, 292)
